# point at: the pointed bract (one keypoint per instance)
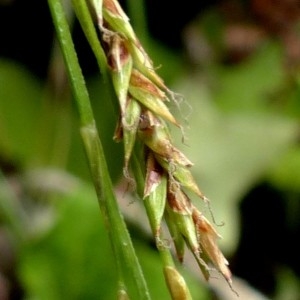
(180, 175)
(146, 92)
(155, 134)
(130, 123)
(117, 20)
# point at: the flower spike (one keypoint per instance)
(145, 116)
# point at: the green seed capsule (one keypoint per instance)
(155, 193)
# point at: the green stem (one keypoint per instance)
(85, 19)
(126, 259)
(71, 61)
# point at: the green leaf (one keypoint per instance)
(69, 261)
(74, 259)
(249, 85)
(285, 173)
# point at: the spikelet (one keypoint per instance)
(145, 116)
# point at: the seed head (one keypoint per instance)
(145, 116)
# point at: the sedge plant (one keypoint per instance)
(158, 170)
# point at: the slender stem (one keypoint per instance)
(126, 259)
(71, 61)
(85, 19)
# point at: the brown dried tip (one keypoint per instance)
(148, 94)
(207, 237)
(178, 201)
(154, 174)
(155, 194)
(114, 8)
(118, 134)
(139, 80)
(118, 54)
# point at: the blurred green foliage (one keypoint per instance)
(236, 136)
